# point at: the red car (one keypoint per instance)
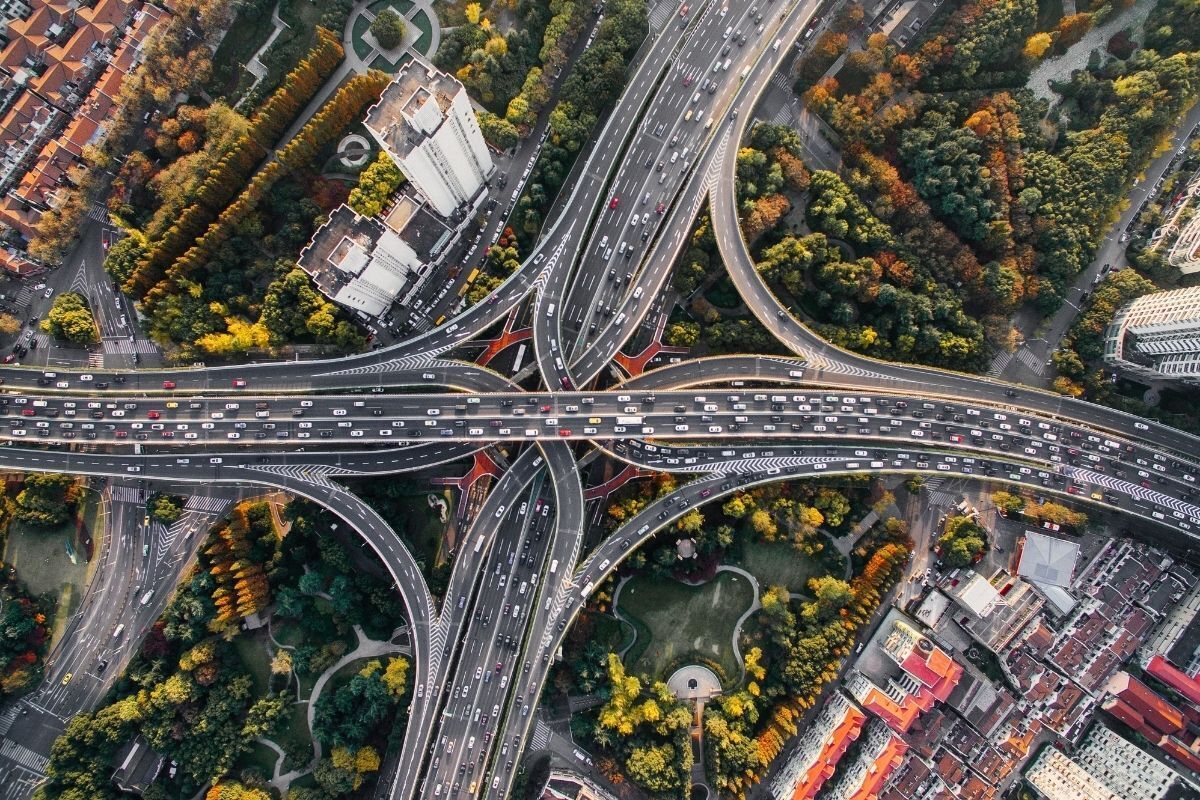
(27, 412)
(168, 384)
(545, 409)
(239, 383)
(153, 414)
(564, 431)
(687, 80)
(660, 208)
(168, 434)
(613, 203)
(122, 434)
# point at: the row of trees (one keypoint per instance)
(24, 636)
(788, 664)
(176, 59)
(595, 82)
(161, 263)
(207, 302)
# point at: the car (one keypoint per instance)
(613, 203)
(564, 431)
(67, 678)
(153, 414)
(168, 384)
(49, 291)
(687, 81)
(239, 383)
(660, 208)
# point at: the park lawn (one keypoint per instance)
(391, 67)
(296, 735)
(423, 530)
(421, 22)
(780, 564)
(43, 564)
(251, 649)
(685, 619)
(358, 31)
(259, 756)
(243, 39)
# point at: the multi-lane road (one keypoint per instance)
(482, 654)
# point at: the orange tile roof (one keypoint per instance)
(107, 12)
(1174, 748)
(19, 48)
(79, 134)
(887, 761)
(18, 217)
(835, 746)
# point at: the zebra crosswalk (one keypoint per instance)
(780, 81)
(19, 754)
(540, 739)
(125, 494)
(660, 15)
(98, 213)
(999, 363)
(6, 719)
(203, 502)
(42, 339)
(1031, 362)
(96, 360)
(123, 345)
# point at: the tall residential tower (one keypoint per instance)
(425, 122)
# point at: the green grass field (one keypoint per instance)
(780, 564)
(683, 619)
(251, 649)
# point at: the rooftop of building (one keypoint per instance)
(1048, 559)
(416, 84)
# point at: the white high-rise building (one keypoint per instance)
(425, 122)
(1157, 336)
(1128, 770)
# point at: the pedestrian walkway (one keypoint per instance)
(1031, 361)
(203, 502)
(540, 739)
(127, 347)
(999, 363)
(98, 213)
(23, 756)
(6, 719)
(125, 494)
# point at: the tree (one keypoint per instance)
(70, 318)
(1037, 45)
(388, 29)
(165, 509)
(395, 677)
(962, 542)
(376, 185)
(47, 499)
(9, 325)
(832, 595)
(1008, 503)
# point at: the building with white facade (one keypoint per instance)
(1056, 777)
(425, 122)
(1157, 336)
(13, 10)
(1129, 771)
(366, 263)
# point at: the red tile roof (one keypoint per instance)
(1178, 680)
(1157, 712)
(1174, 748)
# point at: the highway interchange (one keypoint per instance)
(482, 658)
